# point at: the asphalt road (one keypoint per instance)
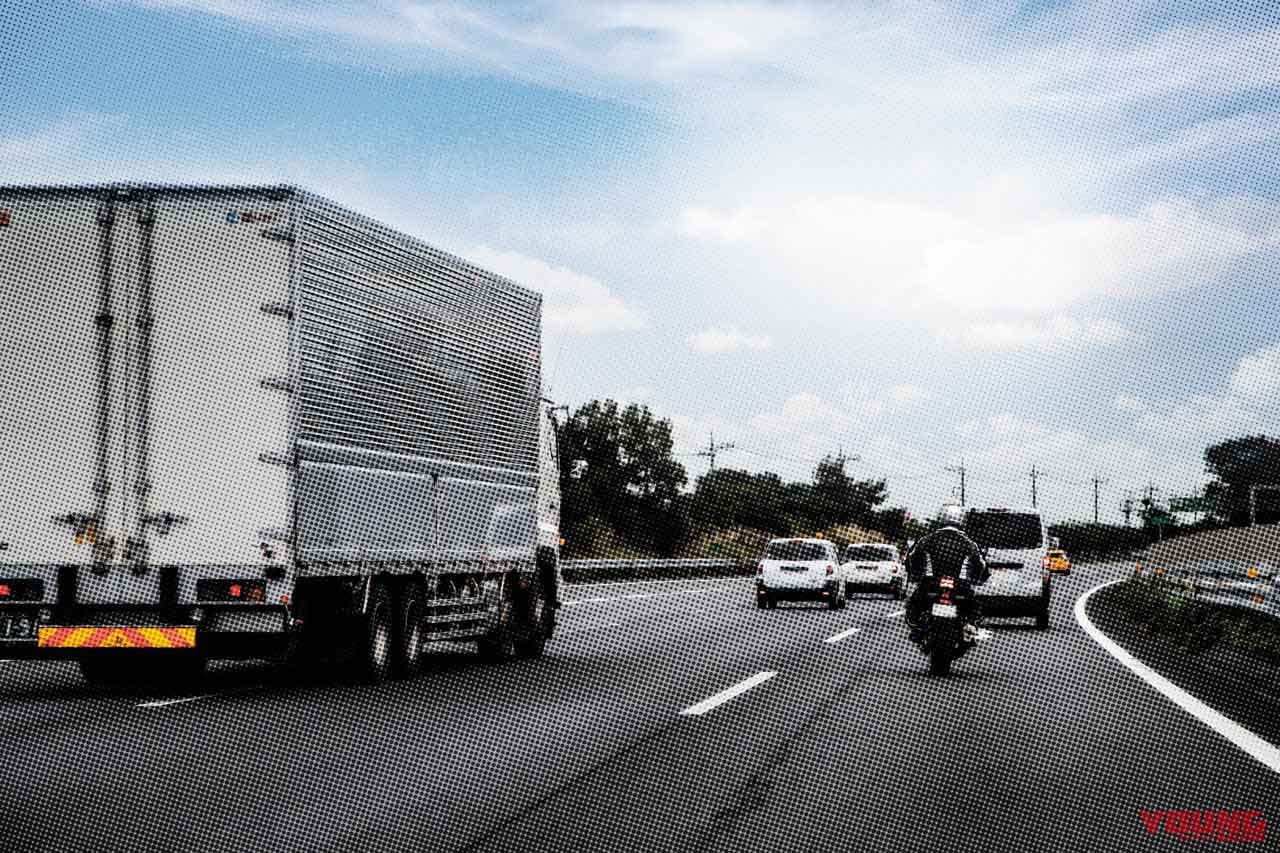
(1040, 740)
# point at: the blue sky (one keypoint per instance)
(1044, 233)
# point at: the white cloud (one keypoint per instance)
(866, 401)
(1056, 333)
(726, 339)
(573, 302)
(1129, 403)
(1249, 402)
(935, 259)
(1257, 376)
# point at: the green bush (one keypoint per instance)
(1154, 608)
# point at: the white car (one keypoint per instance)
(1015, 544)
(873, 567)
(799, 570)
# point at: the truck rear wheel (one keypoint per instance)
(126, 669)
(409, 634)
(535, 627)
(499, 644)
(373, 646)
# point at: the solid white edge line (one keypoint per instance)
(843, 635)
(725, 695)
(1259, 749)
(161, 703)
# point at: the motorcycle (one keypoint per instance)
(942, 634)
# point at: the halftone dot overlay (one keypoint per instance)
(338, 329)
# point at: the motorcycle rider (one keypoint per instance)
(945, 551)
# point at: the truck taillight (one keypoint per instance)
(210, 589)
(831, 570)
(22, 589)
(760, 568)
(1044, 561)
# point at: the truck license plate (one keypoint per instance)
(17, 627)
(945, 610)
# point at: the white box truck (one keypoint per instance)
(246, 422)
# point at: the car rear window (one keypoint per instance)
(795, 551)
(1004, 529)
(870, 553)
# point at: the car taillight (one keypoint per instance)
(760, 568)
(1045, 561)
(831, 570)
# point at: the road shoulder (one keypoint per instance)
(1226, 690)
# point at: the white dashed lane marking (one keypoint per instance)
(843, 635)
(710, 704)
(162, 703)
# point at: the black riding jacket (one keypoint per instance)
(947, 551)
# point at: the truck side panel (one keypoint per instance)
(419, 382)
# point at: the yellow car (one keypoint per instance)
(1058, 562)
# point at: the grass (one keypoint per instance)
(1196, 626)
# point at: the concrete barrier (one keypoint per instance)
(583, 571)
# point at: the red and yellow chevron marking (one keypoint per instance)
(116, 637)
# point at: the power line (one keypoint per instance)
(713, 448)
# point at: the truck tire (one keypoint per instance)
(373, 640)
(500, 643)
(534, 629)
(833, 596)
(103, 671)
(408, 631)
(125, 670)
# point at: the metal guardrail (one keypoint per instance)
(1255, 587)
(585, 570)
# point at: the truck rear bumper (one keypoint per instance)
(218, 632)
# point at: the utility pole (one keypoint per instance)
(1034, 475)
(1149, 505)
(713, 449)
(1098, 481)
(1127, 507)
(959, 469)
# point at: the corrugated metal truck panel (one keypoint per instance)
(398, 384)
(419, 387)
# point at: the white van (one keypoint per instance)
(799, 570)
(1015, 544)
